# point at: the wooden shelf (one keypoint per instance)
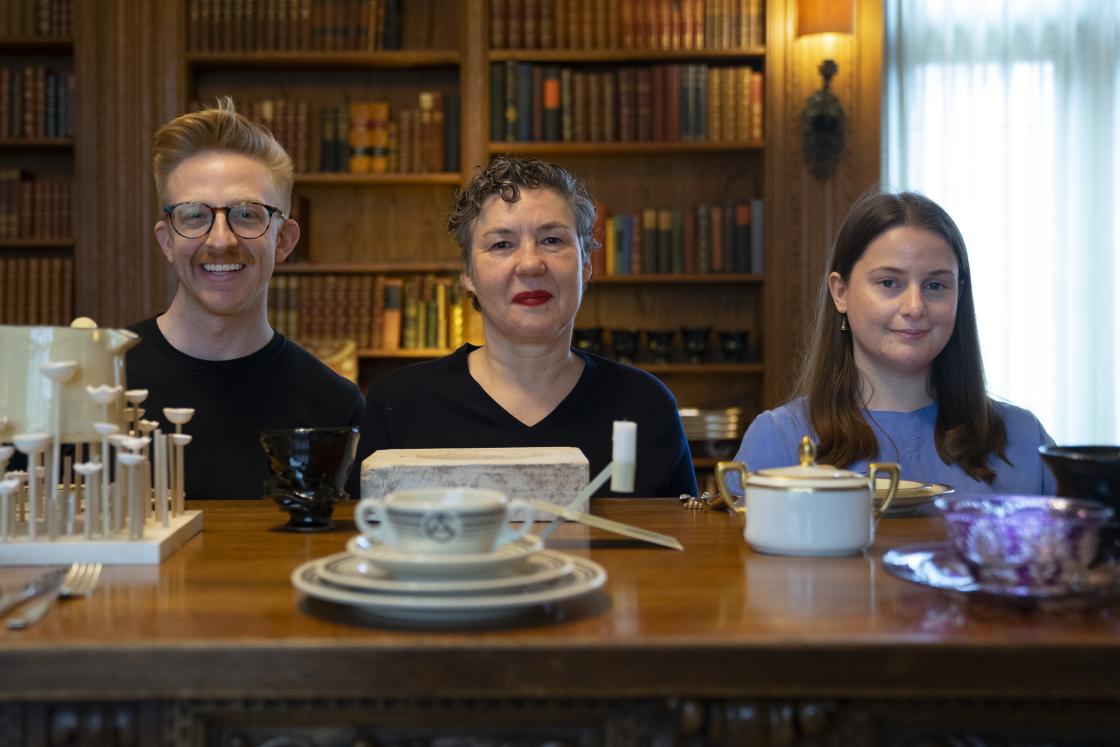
(24, 44)
(366, 180)
(702, 368)
(712, 278)
(36, 143)
(557, 56)
(619, 149)
(36, 243)
(422, 354)
(336, 268)
(403, 59)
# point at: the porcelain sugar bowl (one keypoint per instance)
(808, 509)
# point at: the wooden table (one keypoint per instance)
(713, 645)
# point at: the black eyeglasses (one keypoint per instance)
(247, 220)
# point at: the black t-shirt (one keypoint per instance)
(279, 386)
(437, 404)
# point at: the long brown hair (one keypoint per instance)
(969, 428)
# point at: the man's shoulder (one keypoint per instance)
(295, 361)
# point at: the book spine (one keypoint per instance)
(524, 102)
(451, 126)
(742, 237)
(498, 20)
(551, 99)
(497, 101)
(758, 246)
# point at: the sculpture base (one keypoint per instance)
(157, 543)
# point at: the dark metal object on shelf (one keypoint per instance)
(733, 344)
(661, 344)
(625, 343)
(696, 342)
(589, 339)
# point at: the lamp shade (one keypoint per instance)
(824, 16)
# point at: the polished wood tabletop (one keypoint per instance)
(221, 617)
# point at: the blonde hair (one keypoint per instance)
(221, 129)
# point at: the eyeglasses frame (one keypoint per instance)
(168, 209)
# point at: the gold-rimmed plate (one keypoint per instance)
(911, 495)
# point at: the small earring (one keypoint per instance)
(843, 322)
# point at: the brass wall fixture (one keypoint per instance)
(823, 121)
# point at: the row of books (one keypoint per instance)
(49, 18)
(694, 102)
(379, 312)
(303, 25)
(36, 103)
(36, 290)
(703, 239)
(35, 208)
(364, 137)
(626, 24)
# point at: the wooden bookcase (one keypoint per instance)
(393, 223)
(36, 163)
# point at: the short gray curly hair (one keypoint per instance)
(507, 176)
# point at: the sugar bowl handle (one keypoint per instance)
(722, 468)
(890, 469)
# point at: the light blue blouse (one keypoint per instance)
(906, 438)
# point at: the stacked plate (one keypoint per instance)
(383, 582)
(910, 496)
(713, 433)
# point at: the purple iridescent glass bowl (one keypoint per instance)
(1030, 546)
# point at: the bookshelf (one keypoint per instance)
(36, 162)
(362, 230)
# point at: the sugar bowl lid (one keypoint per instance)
(808, 474)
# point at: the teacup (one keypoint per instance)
(808, 510)
(443, 521)
(1025, 545)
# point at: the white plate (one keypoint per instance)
(355, 572)
(473, 565)
(586, 576)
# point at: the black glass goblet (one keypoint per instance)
(310, 467)
(588, 339)
(696, 342)
(625, 343)
(661, 344)
(733, 344)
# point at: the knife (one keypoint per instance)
(37, 586)
(617, 527)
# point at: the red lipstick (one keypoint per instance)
(532, 298)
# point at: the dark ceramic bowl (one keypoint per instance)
(310, 467)
(1029, 546)
(1093, 473)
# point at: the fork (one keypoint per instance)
(80, 581)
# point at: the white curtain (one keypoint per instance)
(1007, 113)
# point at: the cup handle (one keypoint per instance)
(369, 511)
(722, 468)
(890, 469)
(525, 513)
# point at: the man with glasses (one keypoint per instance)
(225, 185)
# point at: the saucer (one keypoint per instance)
(586, 576)
(467, 565)
(936, 565)
(356, 572)
(910, 495)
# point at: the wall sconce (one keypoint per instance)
(823, 122)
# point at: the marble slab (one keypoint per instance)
(157, 544)
(554, 474)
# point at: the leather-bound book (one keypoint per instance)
(499, 39)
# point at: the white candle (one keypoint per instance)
(625, 441)
(623, 455)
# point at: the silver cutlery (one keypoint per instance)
(35, 587)
(80, 581)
